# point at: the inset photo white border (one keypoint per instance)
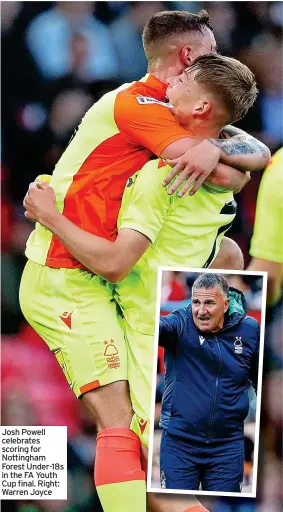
(155, 489)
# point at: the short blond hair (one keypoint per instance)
(231, 80)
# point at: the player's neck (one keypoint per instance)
(163, 72)
(203, 130)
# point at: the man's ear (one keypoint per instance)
(186, 56)
(202, 109)
(226, 305)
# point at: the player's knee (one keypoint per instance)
(230, 256)
(110, 405)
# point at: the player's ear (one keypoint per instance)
(186, 56)
(202, 109)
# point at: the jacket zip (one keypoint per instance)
(216, 390)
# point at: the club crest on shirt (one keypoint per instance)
(238, 344)
(201, 339)
(111, 354)
(143, 100)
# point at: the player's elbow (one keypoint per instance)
(265, 159)
(115, 273)
(230, 256)
(261, 157)
(266, 156)
(116, 277)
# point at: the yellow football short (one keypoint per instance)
(76, 315)
(140, 348)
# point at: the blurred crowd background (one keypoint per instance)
(57, 59)
(176, 290)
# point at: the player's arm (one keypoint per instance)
(170, 329)
(224, 178)
(111, 260)
(241, 150)
(152, 125)
(238, 150)
(275, 277)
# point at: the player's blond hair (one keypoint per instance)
(165, 27)
(231, 80)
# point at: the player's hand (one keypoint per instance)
(246, 179)
(39, 202)
(197, 163)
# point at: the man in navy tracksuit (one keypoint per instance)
(214, 350)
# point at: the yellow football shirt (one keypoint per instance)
(184, 232)
(267, 240)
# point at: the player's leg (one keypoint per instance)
(118, 473)
(229, 256)
(140, 349)
(173, 503)
(225, 468)
(74, 312)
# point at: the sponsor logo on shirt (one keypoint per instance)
(238, 344)
(143, 100)
(201, 339)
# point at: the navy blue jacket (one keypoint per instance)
(212, 373)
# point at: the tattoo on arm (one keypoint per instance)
(239, 143)
(231, 131)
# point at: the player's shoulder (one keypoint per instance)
(141, 98)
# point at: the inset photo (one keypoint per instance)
(205, 415)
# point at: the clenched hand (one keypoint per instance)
(39, 202)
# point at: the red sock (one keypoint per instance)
(118, 457)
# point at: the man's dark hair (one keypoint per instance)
(165, 24)
(211, 281)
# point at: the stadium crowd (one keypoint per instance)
(57, 59)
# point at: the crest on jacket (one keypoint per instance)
(238, 344)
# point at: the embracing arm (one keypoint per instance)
(275, 277)
(241, 150)
(111, 260)
(224, 178)
(151, 124)
(238, 150)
